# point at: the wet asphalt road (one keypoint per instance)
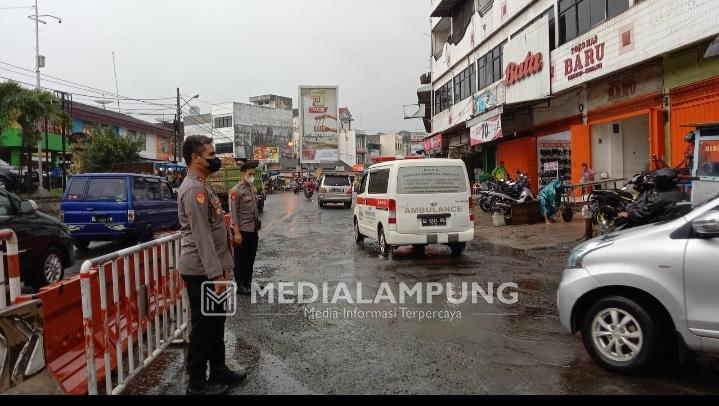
(491, 349)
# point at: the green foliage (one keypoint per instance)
(104, 149)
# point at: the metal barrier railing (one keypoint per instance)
(13, 268)
(148, 312)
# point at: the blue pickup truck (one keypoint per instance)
(120, 207)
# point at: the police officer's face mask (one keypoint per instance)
(214, 164)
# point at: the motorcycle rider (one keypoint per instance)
(661, 206)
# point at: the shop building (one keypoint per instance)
(610, 83)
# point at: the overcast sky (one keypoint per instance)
(229, 50)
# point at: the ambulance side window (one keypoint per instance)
(378, 182)
(363, 185)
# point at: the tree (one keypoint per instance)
(29, 109)
(34, 107)
(9, 98)
(103, 148)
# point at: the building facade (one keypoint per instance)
(610, 83)
(261, 131)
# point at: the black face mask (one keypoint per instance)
(214, 164)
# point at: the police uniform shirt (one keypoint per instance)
(205, 249)
(243, 207)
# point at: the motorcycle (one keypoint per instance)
(513, 189)
(517, 193)
(605, 205)
(309, 192)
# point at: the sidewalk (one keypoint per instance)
(529, 237)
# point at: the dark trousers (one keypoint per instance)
(245, 259)
(207, 334)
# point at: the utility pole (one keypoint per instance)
(39, 63)
(178, 120)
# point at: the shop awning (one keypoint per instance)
(444, 8)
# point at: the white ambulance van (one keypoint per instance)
(415, 202)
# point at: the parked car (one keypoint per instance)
(46, 247)
(415, 202)
(13, 179)
(335, 189)
(118, 207)
(633, 294)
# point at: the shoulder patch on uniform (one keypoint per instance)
(233, 196)
(201, 197)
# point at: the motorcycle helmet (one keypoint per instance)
(690, 137)
(665, 179)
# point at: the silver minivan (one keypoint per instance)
(638, 295)
(336, 189)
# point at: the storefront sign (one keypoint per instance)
(433, 143)
(625, 86)
(533, 63)
(525, 76)
(622, 88)
(587, 57)
(486, 131)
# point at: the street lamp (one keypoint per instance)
(40, 63)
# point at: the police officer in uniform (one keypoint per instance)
(245, 226)
(205, 256)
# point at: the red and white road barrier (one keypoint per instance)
(13, 268)
(147, 311)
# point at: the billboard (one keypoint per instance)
(319, 124)
(270, 155)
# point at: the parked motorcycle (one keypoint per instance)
(499, 202)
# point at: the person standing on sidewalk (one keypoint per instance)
(204, 256)
(245, 226)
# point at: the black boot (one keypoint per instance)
(203, 387)
(226, 376)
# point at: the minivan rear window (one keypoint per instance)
(107, 189)
(76, 188)
(424, 180)
(336, 181)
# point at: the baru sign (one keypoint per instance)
(526, 75)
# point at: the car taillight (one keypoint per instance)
(349, 191)
(62, 216)
(130, 216)
(392, 206)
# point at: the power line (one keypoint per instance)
(88, 88)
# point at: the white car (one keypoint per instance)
(415, 202)
(634, 295)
